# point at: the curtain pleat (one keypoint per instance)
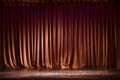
(59, 36)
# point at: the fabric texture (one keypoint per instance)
(59, 36)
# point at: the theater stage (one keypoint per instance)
(60, 74)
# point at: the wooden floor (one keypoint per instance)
(60, 74)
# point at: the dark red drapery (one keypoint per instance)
(59, 36)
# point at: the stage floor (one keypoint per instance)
(61, 74)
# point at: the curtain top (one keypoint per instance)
(53, 2)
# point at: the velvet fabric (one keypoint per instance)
(59, 36)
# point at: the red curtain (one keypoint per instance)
(59, 36)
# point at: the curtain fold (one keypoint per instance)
(59, 36)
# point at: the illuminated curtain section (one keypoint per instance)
(59, 37)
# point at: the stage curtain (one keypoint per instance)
(118, 38)
(59, 36)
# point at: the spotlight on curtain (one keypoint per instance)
(59, 36)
